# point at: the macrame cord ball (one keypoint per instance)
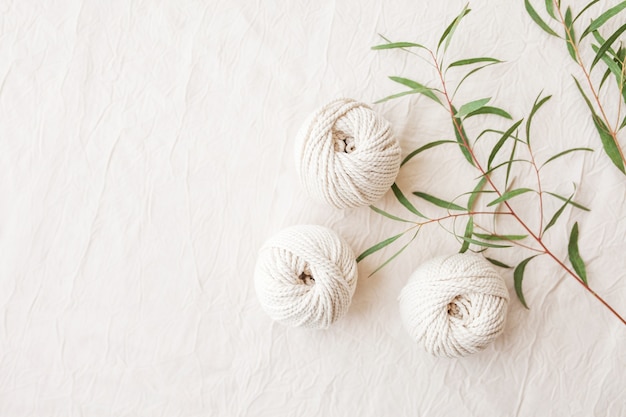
(454, 306)
(346, 154)
(305, 276)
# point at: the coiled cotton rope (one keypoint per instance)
(454, 305)
(305, 276)
(346, 154)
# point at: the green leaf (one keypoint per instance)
(621, 126)
(447, 34)
(500, 237)
(474, 194)
(498, 263)
(474, 71)
(394, 45)
(471, 106)
(608, 143)
(417, 87)
(560, 154)
(612, 67)
(574, 255)
(603, 18)
(556, 215)
(485, 244)
(606, 45)
(584, 96)
(490, 110)
(509, 195)
(508, 168)
(395, 254)
(379, 246)
(560, 197)
(536, 106)
(469, 229)
(533, 15)
(550, 8)
(500, 165)
(605, 76)
(570, 35)
(404, 201)
(584, 10)
(439, 202)
(390, 216)
(424, 148)
(518, 276)
(503, 139)
(464, 146)
(470, 61)
(393, 96)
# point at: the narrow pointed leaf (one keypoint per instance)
(612, 66)
(469, 229)
(608, 143)
(458, 125)
(606, 45)
(604, 77)
(501, 142)
(394, 45)
(439, 202)
(417, 87)
(474, 195)
(394, 255)
(603, 18)
(404, 201)
(573, 203)
(471, 106)
(498, 263)
(398, 95)
(474, 71)
(490, 110)
(558, 213)
(509, 195)
(470, 61)
(508, 168)
(584, 10)
(484, 244)
(447, 34)
(500, 237)
(550, 8)
(390, 216)
(570, 35)
(536, 106)
(574, 255)
(379, 246)
(533, 15)
(518, 276)
(560, 154)
(424, 148)
(621, 126)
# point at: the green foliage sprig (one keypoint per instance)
(606, 53)
(494, 192)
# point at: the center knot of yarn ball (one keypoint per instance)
(306, 276)
(454, 305)
(346, 154)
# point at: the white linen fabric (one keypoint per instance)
(146, 154)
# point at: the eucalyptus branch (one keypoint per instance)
(471, 239)
(613, 61)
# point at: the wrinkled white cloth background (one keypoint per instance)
(146, 154)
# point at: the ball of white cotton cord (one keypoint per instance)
(305, 276)
(346, 154)
(454, 305)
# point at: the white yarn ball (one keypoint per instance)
(454, 305)
(306, 276)
(346, 154)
